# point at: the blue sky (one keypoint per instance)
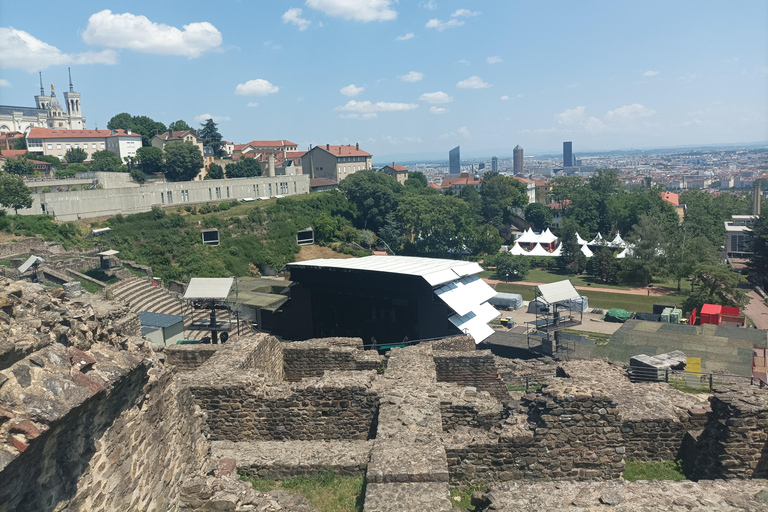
(411, 76)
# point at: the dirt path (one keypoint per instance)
(655, 291)
(312, 252)
(757, 310)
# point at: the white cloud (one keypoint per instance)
(632, 111)
(367, 107)
(216, 119)
(438, 110)
(463, 61)
(22, 50)
(258, 87)
(473, 82)
(272, 46)
(466, 13)
(252, 104)
(293, 16)
(494, 60)
(367, 115)
(436, 97)
(650, 73)
(351, 90)
(462, 132)
(142, 35)
(505, 97)
(430, 4)
(571, 115)
(400, 141)
(357, 10)
(412, 76)
(4, 83)
(405, 37)
(442, 25)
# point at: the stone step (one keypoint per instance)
(408, 497)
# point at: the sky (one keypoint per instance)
(409, 77)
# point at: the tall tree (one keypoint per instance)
(105, 161)
(150, 159)
(14, 193)
(179, 126)
(183, 161)
(717, 284)
(76, 155)
(243, 168)
(211, 137)
(686, 252)
(438, 225)
(500, 194)
(19, 166)
(416, 180)
(571, 259)
(20, 143)
(650, 248)
(143, 125)
(540, 215)
(215, 172)
(375, 194)
(758, 262)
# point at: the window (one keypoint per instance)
(77, 146)
(170, 197)
(162, 198)
(102, 145)
(270, 190)
(257, 191)
(50, 146)
(210, 194)
(218, 192)
(294, 187)
(67, 146)
(58, 146)
(227, 192)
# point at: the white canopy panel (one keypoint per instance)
(528, 237)
(516, 250)
(558, 251)
(465, 294)
(580, 240)
(475, 323)
(597, 240)
(585, 250)
(547, 237)
(557, 292)
(617, 241)
(30, 261)
(538, 250)
(623, 254)
(209, 287)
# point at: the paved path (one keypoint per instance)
(656, 291)
(757, 310)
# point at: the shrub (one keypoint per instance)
(224, 206)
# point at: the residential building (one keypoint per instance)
(335, 162)
(261, 149)
(530, 188)
(44, 168)
(494, 164)
(397, 171)
(738, 235)
(8, 140)
(47, 112)
(456, 184)
(568, 154)
(543, 191)
(159, 140)
(454, 161)
(55, 142)
(517, 166)
(289, 163)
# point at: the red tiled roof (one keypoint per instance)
(321, 182)
(13, 153)
(522, 180)
(449, 182)
(396, 167)
(295, 154)
(434, 185)
(176, 134)
(268, 143)
(342, 150)
(671, 198)
(57, 133)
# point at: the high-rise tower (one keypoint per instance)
(568, 154)
(517, 167)
(454, 161)
(495, 164)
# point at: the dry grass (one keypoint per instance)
(311, 252)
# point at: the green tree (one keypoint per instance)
(105, 161)
(150, 159)
(390, 233)
(717, 284)
(509, 267)
(76, 155)
(143, 125)
(179, 126)
(571, 259)
(485, 240)
(540, 215)
(416, 180)
(215, 172)
(437, 225)
(70, 171)
(375, 194)
(138, 175)
(471, 196)
(604, 265)
(758, 262)
(243, 168)
(20, 143)
(211, 137)
(14, 193)
(500, 194)
(19, 166)
(650, 248)
(54, 161)
(686, 252)
(183, 161)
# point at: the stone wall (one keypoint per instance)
(22, 246)
(476, 369)
(189, 357)
(311, 358)
(734, 443)
(267, 357)
(454, 343)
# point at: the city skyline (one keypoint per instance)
(410, 79)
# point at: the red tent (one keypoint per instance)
(710, 314)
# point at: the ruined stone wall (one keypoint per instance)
(267, 357)
(23, 245)
(189, 357)
(658, 440)
(734, 443)
(454, 344)
(321, 410)
(311, 358)
(476, 369)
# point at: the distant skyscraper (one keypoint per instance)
(495, 164)
(568, 154)
(454, 161)
(481, 166)
(518, 160)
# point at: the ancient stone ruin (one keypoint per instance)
(92, 419)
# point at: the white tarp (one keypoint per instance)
(556, 292)
(558, 251)
(538, 250)
(516, 250)
(475, 323)
(209, 287)
(30, 261)
(598, 240)
(547, 237)
(586, 252)
(580, 240)
(617, 242)
(466, 294)
(528, 237)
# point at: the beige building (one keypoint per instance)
(261, 149)
(55, 142)
(161, 139)
(397, 171)
(335, 162)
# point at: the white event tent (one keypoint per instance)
(516, 250)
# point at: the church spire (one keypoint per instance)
(70, 80)
(42, 91)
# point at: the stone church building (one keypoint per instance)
(47, 112)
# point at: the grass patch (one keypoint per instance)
(100, 276)
(531, 387)
(136, 271)
(527, 292)
(599, 338)
(683, 386)
(89, 286)
(639, 470)
(538, 275)
(326, 492)
(461, 497)
(5, 263)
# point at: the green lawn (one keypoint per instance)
(604, 300)
(638, 470)
(462, 497)
(89, 286)
(326, 492)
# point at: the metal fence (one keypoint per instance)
(700, 380)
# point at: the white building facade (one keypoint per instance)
(56, 142)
